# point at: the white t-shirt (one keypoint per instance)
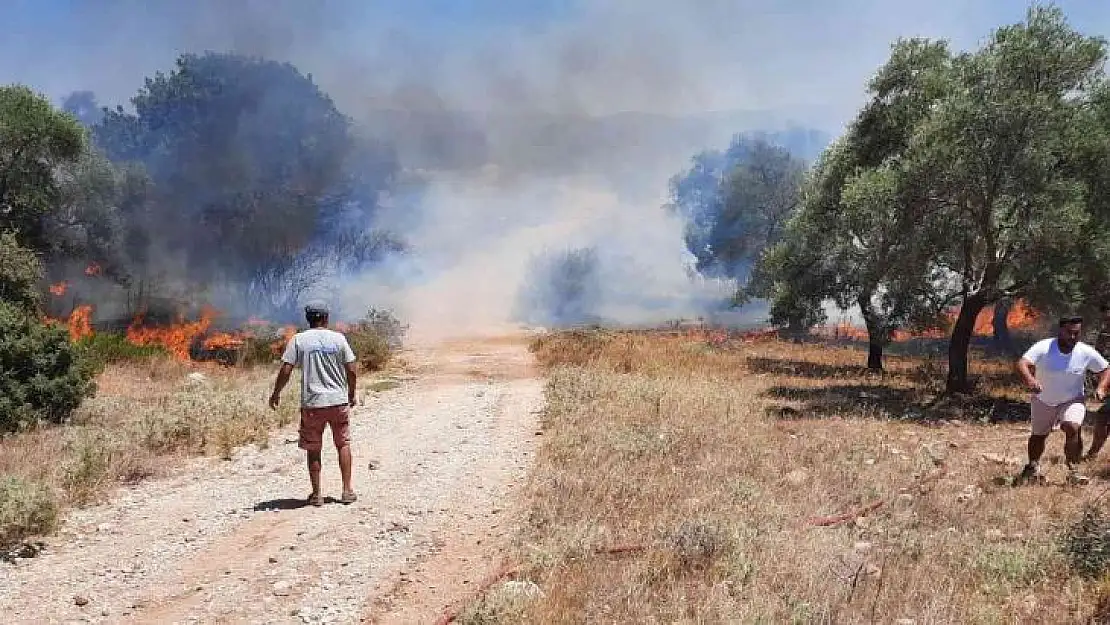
(321, 354)
(1062, 375)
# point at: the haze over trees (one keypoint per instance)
(736, 203)
(259, 181)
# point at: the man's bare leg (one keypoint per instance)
(1032, 469)
(345, 464)
(1098, 435)
(314, 473)
(1073, 443)
(1073, 451)
(1036, 447)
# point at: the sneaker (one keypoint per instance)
(1031, 474)
(1075, 478)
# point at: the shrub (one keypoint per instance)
(563, 289)
(375, 338)
(371, 348)
(20, 272)
(1086, 543)
(260, 350)
(385, 325)
(89, 467)
(26, 509)
(114, 348)
(42, 375)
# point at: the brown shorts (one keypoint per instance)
(313, 421)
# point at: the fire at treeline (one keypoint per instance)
(183, 339)
(235, 189)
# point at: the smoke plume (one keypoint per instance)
(533, 141)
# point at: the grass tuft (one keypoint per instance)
(27, 508)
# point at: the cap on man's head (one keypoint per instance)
(1068, 320)
(316, 308)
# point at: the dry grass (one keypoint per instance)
(142, 417)
(715, 457)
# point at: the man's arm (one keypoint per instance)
(1026, 371)
(1103, 384)
(279, 384)
(350, 364)
(288, 361)
(352, 379)
(1098, 364)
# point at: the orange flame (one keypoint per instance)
(176, 338)
(287, 333)
(224, 340)
(59, 289)
(1020, 317)
(80, 323)
(93, 269)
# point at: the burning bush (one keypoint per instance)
(42, 375)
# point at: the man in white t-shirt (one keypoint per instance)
(328, 379)
(1055, 371)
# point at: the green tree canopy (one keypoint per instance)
(35, 138)
(854, 239)
(967, 179)
(990, 167)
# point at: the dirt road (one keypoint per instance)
(230, 542)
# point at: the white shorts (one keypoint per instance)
(1044, 417)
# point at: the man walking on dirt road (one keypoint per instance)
(328, 379)
(1055, 371)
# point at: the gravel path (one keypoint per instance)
(228, 541)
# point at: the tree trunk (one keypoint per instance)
(876, 335)
(874, 355)
(1002, 338)
(958, 345)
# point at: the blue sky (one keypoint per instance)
(805, 58)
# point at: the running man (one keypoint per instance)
(1101, 417)
(1055, 371)
(328, 379)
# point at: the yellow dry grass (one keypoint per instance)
(715, 458)
(141, 418)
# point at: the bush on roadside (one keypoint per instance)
(386, 325)
(375, 338)
(371, 348)
(26, 509)
(43, 377)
